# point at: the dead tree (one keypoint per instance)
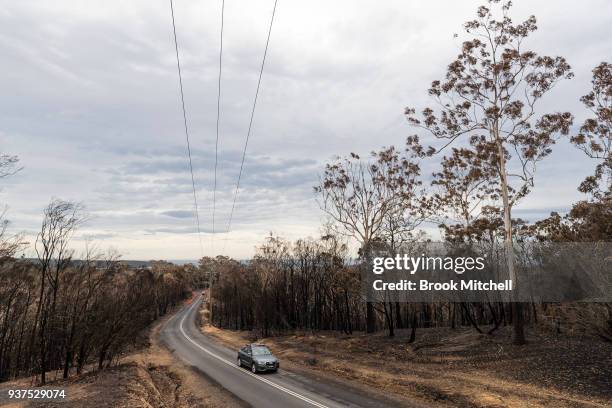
(359, 195)
(61, 219)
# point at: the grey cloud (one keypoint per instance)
(178, 214)
(92, 106)
(176, 230)
(96, 236)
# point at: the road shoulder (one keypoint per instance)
(314, 376)
(204, 390)
(458, 368)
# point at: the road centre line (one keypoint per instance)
(233, 365)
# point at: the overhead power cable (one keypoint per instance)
(218, 120)
(212, 238)
(180, 76)
(246, 142)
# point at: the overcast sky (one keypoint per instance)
(90, 104)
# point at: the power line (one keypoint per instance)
(246, 142)
(178, 65)
(212, 238)
(218, 119)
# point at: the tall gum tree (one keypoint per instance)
(359, 195)
(52, 247)
(487, 100)
(595, 137)
(589, 220)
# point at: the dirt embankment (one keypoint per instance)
(149, 378)
(457, 368)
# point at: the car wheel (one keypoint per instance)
(238, 362)
(253, 368)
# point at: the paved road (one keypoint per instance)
(283, 389)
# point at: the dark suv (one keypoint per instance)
(258, 357)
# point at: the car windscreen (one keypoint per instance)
(260, 351)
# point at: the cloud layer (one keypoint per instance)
(90, 104)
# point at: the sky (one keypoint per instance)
(90, 104)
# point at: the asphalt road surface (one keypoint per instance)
(282, 389)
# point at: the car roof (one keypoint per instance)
(258, 345)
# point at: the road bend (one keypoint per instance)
(282, 389)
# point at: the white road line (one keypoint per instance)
(233, 365)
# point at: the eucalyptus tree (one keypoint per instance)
(359, 195)
(589, 220)
(595, 135)
(487, 101)
(462, 190)
(61, 219)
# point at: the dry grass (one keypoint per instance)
(132, 383)
(458, 368)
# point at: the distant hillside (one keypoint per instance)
(129, 262)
